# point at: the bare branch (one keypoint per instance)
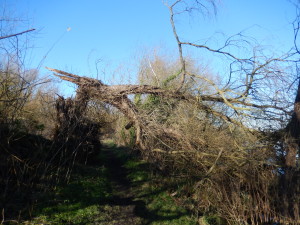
(17, 34)
(182, 62)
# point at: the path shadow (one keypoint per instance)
(124, 194)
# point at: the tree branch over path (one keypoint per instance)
(117, 96)
(116, 91)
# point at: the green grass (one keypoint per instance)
(160, 208)
(93, 195)
(77, 202)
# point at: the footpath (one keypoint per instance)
(117, 189)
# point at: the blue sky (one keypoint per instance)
(115, 31)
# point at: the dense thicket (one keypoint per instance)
(42, 136)
(35, 155)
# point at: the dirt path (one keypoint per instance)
(134, 201)
(123, 208)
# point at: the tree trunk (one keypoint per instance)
(290, 179)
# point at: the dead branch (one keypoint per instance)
(17, 34)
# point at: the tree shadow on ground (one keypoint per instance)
(125, 189)
(111, 192)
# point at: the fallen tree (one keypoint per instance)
(117, 96)
(205, 157)
(236, 139)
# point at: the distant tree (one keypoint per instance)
(16, 81)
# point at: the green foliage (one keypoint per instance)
(167, 81)
(154, 101)
(131, 137)
(137, 99)
(128, 136)
(151, 102)
(213, 220)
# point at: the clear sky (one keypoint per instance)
(114, 31)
